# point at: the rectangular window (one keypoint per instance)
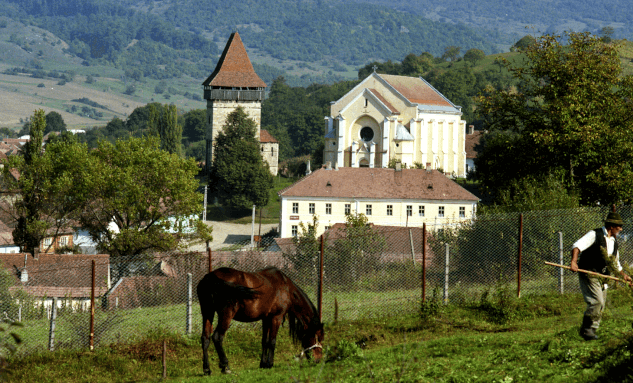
(327, 228)
(421, 210)
(311, 208)
(409, 210)
(389, 209)
(328, 208)
(440, 211)
(348, 208)
(462, 211)
(368, 210)
(63, 241)
(295, 230)
(48, 241)
(295, 208)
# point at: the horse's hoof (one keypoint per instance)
(227, 371)
(207, 372)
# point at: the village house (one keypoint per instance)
(389, 197)
(65, 277)
(395, 118)
(232, 84)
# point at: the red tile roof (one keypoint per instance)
(384, 101)
(234, 69)
(416, 90)
(378, 183)
(472, 140)
(264, 136)
(55, 273)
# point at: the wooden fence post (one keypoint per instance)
(321, 281)
(189, 302)
(92, 309)
(424, 262)
(520, 255)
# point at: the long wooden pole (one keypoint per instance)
(424, 262)
(92, 309)
(321, 281)
(588, 272)
(520, 256)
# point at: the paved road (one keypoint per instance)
(227, 234)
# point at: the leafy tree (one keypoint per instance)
(569, 117)
(451, 53)
(54, 123)
(239, 176)
(306, 253)
(524, 43)
(135, 189)
(606, 34)
(474, 55)
(48, 191)
(195, 125)
(170, 131)
(356, 254)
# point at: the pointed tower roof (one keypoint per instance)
(234, 69)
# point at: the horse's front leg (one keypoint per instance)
(269, 340)
(224, 321)
(207, 328)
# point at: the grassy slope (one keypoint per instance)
(458, 345)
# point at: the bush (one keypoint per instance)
(41, 85)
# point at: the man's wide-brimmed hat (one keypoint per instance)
(614, 219)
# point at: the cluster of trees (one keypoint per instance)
(565, 125)
(131, 184)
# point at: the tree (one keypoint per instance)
(357, 253)
(48, 192)
(54, 123)
(170, 130)
(139, 196)
(239, 176)
(568, 117)
(306, 252)
(195, 125)
(524, 43)
(474, 55)
(451, 53)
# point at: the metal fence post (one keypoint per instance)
(189, 300)
(446, 275)
(51, 333)
(520, 255)
(561, 281)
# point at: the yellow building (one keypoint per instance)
(407, 197)
(388, 117)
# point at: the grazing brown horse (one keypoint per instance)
(268, 295)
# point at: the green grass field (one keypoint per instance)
(532, 339)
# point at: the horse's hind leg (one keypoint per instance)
(207, 328)
(224, 320)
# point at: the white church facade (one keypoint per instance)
(396, 118)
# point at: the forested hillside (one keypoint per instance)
(512, 18)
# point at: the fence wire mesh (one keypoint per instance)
(368, 271)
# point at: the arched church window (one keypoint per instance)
(366, 134)
(363, 163)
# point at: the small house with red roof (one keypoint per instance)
(232, 84)
(389, 117)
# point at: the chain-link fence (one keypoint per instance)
(368, 271)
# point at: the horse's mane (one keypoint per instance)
(303, 316)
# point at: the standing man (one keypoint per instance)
(589, 247)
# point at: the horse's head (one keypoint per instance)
(313, 342)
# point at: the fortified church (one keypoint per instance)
(388, 117)
(234, 83)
